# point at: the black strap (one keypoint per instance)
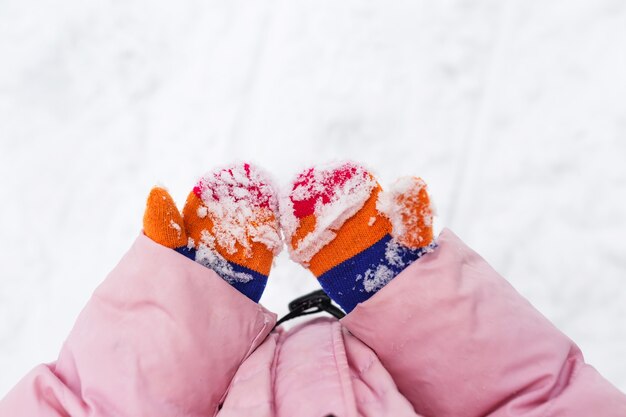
(312, 303)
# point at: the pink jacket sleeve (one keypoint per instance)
(460, 341)
(162, 336)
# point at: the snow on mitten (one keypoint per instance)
(162, 221)
(229, 224)
(352, 236)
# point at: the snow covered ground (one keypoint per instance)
(513, 111)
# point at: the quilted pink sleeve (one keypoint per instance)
(162, 336)
(460, 341)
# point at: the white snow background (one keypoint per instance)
(513, 111)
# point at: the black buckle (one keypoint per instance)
(312, 303)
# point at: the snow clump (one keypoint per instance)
(243, 206)
(335, 192)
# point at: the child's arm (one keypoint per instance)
(460, 341)
(162, 336)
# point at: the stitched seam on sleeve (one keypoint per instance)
(274, 366)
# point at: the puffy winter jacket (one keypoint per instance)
(165, 336)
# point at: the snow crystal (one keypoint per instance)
(243, 206)
(345, 200)
(378, 278)
(404, 222)
(393, 253)
(201, 212)
(176, 227)
(207, 255)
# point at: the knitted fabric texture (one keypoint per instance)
(334, 227)
(162, 222)
(229, 224)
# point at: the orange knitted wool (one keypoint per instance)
(229, 225)
(404, 212)
(358, 233)
(162, 221)
(416, 213)
(258, 258)
(351, 235)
